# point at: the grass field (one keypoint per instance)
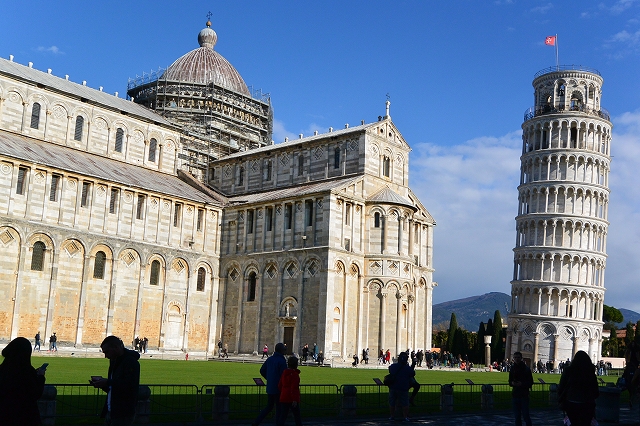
(78, 370)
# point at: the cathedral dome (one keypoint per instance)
(203, 65)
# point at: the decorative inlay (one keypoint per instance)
(39, 177)
(138, 136)
(58, 112)
(166, 206)
(5, 169)
(128, 258)
(375, 266)
(154, 204)
(339, 267)
(284, 159)
(319, 203)
(374, 149)
(213, 214)
(101, 124)
(128, 197)
(101, 191)
(178, 266)
(71, 184)
(407, 270)
(299, 207)
(272, 271)
(292, 269)
(358, 208)
(312, 269)
(353, 145)
(233, 274)
(189, 211)
(255, 166)
(317, 153)
(226, 171)
(72, 248)
(528, 330)
(14, 97)
(279, 210)
(393, 267)
(6, 237)
(241, 216)
(354, 270)
(260, 214)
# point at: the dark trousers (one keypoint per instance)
(580, 414)
(521, 409)
(272, 401)
(284, 412)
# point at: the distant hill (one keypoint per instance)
(470, 311)
(628, 316)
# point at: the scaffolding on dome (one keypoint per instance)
(214, 121)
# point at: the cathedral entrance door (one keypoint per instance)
(288, 339)
(173, 335)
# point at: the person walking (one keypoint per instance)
(265, 352)
(53, 343)
(402, 374)
(121, 383)
(289, 386)
(272, 370)
(37, 344)
(220, 348)
(21, 385)
(578, 390)
(521, 380)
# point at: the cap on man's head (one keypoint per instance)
(280, 348)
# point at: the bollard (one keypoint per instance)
(143, 406)
(608, 404)
(349, 401)
(47, 406)
(221, 402)
(446, 397)
(553, 395)
(486, 399)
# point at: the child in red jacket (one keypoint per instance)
(289, 386)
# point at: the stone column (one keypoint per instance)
(556, 339)
(383, 319)
(385, 232)
(536, 343)
(398, 316)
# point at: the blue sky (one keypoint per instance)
(458, 74)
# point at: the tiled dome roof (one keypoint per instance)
(387, 196)
(203, 65)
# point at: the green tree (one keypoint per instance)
(610, 345)
(497, 347)
(631, 334)
(439, 339)
(611, 314)
(453, 327)
(637, 335)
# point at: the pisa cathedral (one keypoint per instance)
(558, 288)
(172, 215)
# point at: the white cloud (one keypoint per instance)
(52, 49)
(620, 6)
(280, 132)
(471, 191)
(543, 9)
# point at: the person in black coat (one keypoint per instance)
(521, 380)
(578, 390)
(21, 385)
(121, 384)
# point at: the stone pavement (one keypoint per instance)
(538, 418)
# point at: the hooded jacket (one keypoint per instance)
(124, 380)
(289, 386)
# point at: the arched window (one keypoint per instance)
(37, 256)
(35, 116)
(77, 135)
(336, 158)
(300, 165)
(154, 277)
(376, 220)
(153, 144)
(386, 166)
(99, 264)
(251, 293)
(202, 275)
(119, 139)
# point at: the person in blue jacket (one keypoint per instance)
(272, 370)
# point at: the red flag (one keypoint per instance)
(550, 41)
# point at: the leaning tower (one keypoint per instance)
(557, 292)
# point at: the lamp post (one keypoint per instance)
(487, 351)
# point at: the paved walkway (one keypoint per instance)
(538, 418)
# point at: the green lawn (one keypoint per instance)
(78, 370)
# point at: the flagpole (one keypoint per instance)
(557, 64)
